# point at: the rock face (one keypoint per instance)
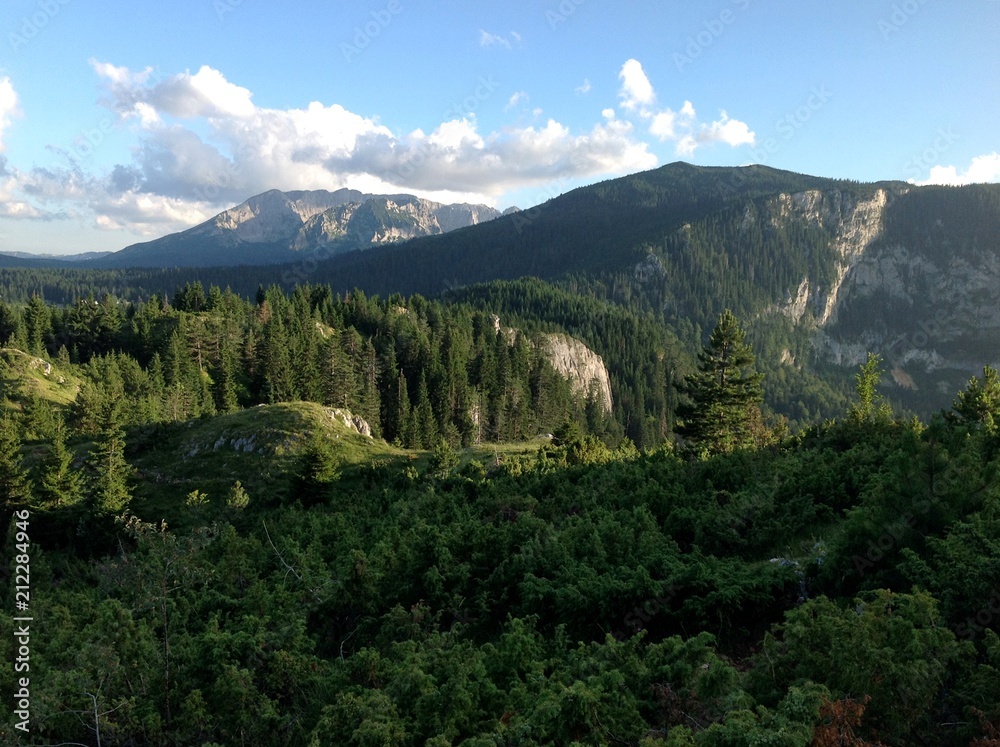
(916, 279)
(854, 224)
(277, 226)
(380, 220)
(581, 366)
(355, 423)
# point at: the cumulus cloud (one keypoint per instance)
(457, 157)
(636, 91)
(584, 87)
(682, 126)
(9, 107)
(204, 145)
(982, 169)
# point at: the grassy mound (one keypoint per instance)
(22, 375)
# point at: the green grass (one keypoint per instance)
(24, 374)
(262, 448)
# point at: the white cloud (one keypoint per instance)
(204, 145)
(9, 107)
(731, 132)
(518, 97)
(636, 91)
(681, 127)
(486, 39)
(985, 168)
(205, 94)
(584, 87)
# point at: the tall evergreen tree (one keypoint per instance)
(38, 324)
(224, 385)
(10, 324)
(979, 403)
(110, 472)
(58, 483)
(871, 406)
(275, 367)
(724, 395)
(15, 487)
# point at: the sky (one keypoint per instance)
(121, 122)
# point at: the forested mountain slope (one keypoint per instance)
(822, 271)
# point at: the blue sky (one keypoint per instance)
(121, 122)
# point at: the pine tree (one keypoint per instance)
(339, 385)
(724, 395)
(59, 484)
(10, 325)
(15, 487)
(979, 403)
(369, 403)
(870, 406)
(275, 367)
(425, 427)
(38, 324)
(110, 472)
(224, 383)
(403, 417)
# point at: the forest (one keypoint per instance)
(220, 555)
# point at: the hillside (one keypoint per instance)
(836, 584)
(822, 271)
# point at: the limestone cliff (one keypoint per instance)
(915, 279)
(853, 225)
(581, 366)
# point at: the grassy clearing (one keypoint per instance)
(22, 374)
(262, 447)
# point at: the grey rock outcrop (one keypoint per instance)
(581, 366)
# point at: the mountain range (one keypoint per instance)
(822, 271)
(276, 227)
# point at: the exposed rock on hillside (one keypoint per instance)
(273, 226)
(581, 366)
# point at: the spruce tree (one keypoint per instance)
(724, 396)
(979, 403)
(425, 426)
(870, 406)
(58, 483)
(15, 488)
(110, 472)
(38, 324)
